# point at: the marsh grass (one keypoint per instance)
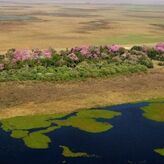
(86, 120)
(160, 151)
(155, 111)
(69, 153)
(28, 122)
(20, 127)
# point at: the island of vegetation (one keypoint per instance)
(155, 111)
(85, 120)
(160, 151)
(69, 153)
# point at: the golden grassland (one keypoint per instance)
(31, 98)
(60, 26)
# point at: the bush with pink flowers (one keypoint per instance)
(155, 53)
(18, 58)
(76, 63)
(159, 47)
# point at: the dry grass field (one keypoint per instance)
(30, 98)
(61, 26)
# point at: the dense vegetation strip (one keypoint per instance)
(77, 63)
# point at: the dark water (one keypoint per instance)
(131, 141)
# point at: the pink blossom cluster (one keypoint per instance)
(21, 55)
(73, 57)
(47, 53)
(86, 51)
(2, 66)
(160, 47)
(25, 54)
(113, 48)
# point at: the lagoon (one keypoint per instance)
(117, 134)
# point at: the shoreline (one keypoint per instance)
(30, 98)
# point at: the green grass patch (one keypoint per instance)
(28, 122)
(84, 120)
(131, 39)
(69, 153)
(37, 140)
(19, 133)
(20, 129)
(160, 151)
(154, 111)
(157, 100)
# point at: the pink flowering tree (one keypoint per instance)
(21, 55)
(47, 53)
(29, 57)
(82, 50)
(18, 58)
(159, 47)
(86, 52)
(113, 48)
(157, 52)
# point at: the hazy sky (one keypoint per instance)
(95, 1)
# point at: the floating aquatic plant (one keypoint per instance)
(67, 152)
(20, 127)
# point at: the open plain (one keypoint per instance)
(59, 26)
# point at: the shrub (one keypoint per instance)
(161, 63)
(159, 47)
(79, 62)
(153, 54)
(138, 48)
(146, 62)
(157, 52)
(82, 70)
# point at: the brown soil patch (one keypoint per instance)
(26, 98)
(10, 26)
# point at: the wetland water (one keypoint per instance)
(117, 135)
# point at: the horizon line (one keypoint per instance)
(94, 3)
